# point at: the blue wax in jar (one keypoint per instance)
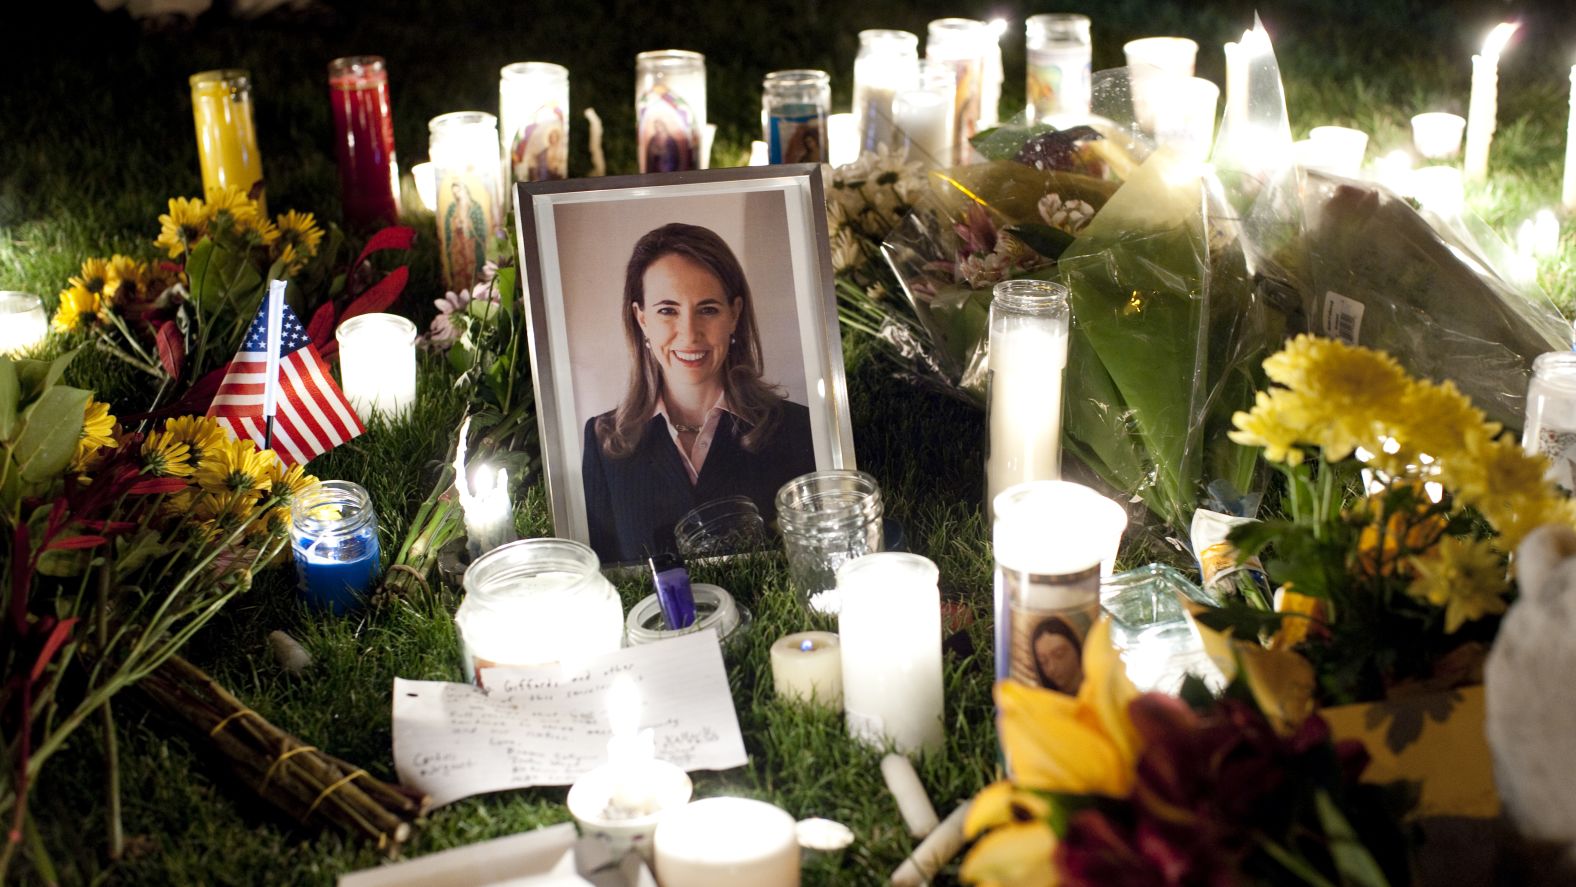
(335, 574)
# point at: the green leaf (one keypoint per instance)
(1043, 239)
(505, 282)
(50, 432)
(1004, 142)
(1352, 860)
(34, 376)
(131, 554)
(219, 276)
(10, 398)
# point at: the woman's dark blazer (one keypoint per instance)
(632, 503)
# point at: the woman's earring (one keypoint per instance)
(648, 344)
(733, 340)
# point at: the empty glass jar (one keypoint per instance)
(827, 518)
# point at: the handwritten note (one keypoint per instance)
(548, 725)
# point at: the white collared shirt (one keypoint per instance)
(703, 440)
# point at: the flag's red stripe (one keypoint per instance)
(301, 427)
(338, 403)
(305, 407)
(287, 443)
(311, 395)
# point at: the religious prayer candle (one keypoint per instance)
(1437, 135)
(888, 61)
(727, 842)
(226, 136)
(923, 115)
(334, 538)
(890, 629)
(1053, 540)
(358, 90)
(1550, 427)
(1484, 104)
(377, 364)
(962, 43)
(808, 666)
(1568, 192)
(463, 146)
(533, 111)
(1029, 322)
(670, 110)
(23, 323)
(1155, 62)
(1060, 70)
(794, 108)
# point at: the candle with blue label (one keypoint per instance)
(795, 105)
(334, 537)
(673, 590)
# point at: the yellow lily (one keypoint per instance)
(1017, 855)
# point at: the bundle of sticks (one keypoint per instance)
(305, 784)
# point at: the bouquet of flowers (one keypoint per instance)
(1114, 787)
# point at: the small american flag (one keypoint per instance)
(312, 415)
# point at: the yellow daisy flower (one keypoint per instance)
(258, 231)
(225, 509)
(166, 455)
(200, 434)
(287, 483)
(299, 237)
(229, 209)
(76, 305)
(185, 224)
(98, 432)
(1465, 576)
(123, 278)
(93, 277)
(235, 466)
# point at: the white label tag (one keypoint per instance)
(1343, 317)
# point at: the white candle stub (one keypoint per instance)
(809, 666)
(912, 799)
(823, 835)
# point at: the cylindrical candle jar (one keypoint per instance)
(1437, 134)
(890, 631)
(715, 610)
(226, 136)
(1028, 352)
(1053, 540)
(670, 109)
(808, 667)
(23, 323)
(1156, 62)
(888, 62)
(922, 116)
(533, 110)
(1550, 428)
(377, 364)
(464, 150)
(534, 602)
(358, 88)
(827, 518)
(962, 43)
(794, 105)
(334, 537)
(721, 842)
(1059, 52)
(730, 525)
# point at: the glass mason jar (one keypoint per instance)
(358, 90)
(827, 518)
(715, 608)
(334, 538)
(1550, 428)
(730, 525)
(534, 602)
(1027, 356)
(794, 105)
(377, 364)
(533, 107)
(670, 110)
(963, 44)
(922, 115)
(226, 136)
(1059, 65)
(23, 323)
(888, 62)
(463, 146)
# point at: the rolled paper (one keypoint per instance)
(912, 800)
(934, 852)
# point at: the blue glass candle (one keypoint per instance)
(334, 536)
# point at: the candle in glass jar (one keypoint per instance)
(923, 115)
(358, 89)
(334, 538)
(962, 43)
(484, 499)
(808, 666)
(670, 110)
(1483, 107)
(1156, 61)
(226, 136)
(890, 629)
(1059, 52)
(377, 364)
(888, 61)
(1029, 322)
(22, 321)
(464, 150)
(794, 107)
(533, 111)
(727, 842)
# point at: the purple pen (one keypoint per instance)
(673, 590)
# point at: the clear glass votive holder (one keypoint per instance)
(715, 608)
(730, 525)
(1550, 426)
(794, 107)
(23, 322)
(827, 519)
(334, 538)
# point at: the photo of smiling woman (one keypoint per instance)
(696, 422)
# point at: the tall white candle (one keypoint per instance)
(843, 139)
(1568, 193)
(922, 114)
(22, 321)
(489, 516)
(1484, 106)
(888, 61)
(725, 842)
(890, 628)
(377, 364)
(809, 665)
(1028, 352)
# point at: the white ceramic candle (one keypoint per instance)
(1340, 149)
(22, 321)
(1437, 134)
(923, 115)
(726, 842)
(1484, 106)
(809, 665)
(377, 364)
(1028, 352)
(890, 627)
(1568, 193)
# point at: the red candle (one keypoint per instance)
(358, 87)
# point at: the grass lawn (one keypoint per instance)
(98, 135)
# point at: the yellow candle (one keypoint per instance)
(226, 137)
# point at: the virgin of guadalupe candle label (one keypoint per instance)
(1059, 80)
(467, 215)
(539, 151)
(1048, 618)
(966, 104)
(798, 135)
(669, 137)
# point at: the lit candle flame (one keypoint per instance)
(1497, 39)
(807, 646)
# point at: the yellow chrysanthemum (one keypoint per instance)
(1505, 484)
(1267, 426)
(166, 455)
(76, 304)
(185, 224)
(1349, 394)
(1440, 421)
(199, 433)
(235, 466)
(1465, 576)
(299, 237)
(98, 432)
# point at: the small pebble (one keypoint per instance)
(289, 653)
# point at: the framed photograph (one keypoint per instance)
(684, 347)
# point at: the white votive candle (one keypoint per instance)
(890, 627)
(622, 827)
(725, 842)
(1437, 135)
(1155, 61)
(22, 321)
(1340, 149)
(377, 364)
(1440, 189)
(809, 666)
(923, 119)
(1484, 105)
(426, 178)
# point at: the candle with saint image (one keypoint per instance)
(489, 517)
(670, 110)
(1484, 106)
(464, 150)
(963, 44)
(377, 364)
(1029, 322)
(533, 110)
(890, 630)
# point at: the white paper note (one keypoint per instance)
(548, 726)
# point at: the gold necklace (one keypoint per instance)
(681, 428)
